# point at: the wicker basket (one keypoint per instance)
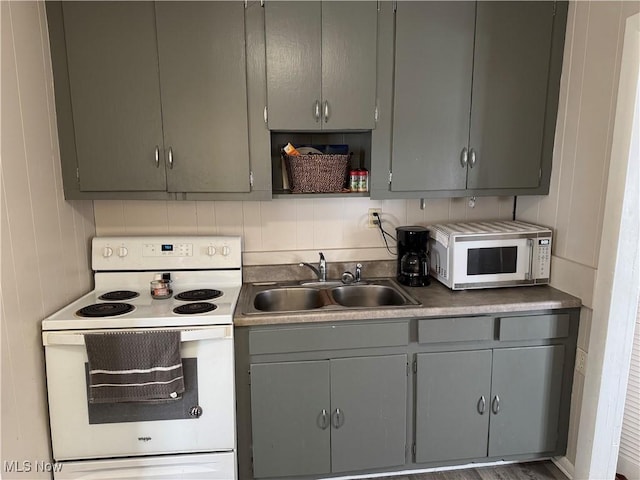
(316, 173)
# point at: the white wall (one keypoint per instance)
(44, 258)
(576, 201)
(292, 230)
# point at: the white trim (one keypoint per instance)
(427, 470)
(565, 466)
(617, 286)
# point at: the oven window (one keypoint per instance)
(489, 261)
(149, 411)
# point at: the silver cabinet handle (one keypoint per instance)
(495, 405)
(170, 157)
(338, 418)
(157, 156)
(316, 110)
(481, 405)
(266, 115)
(326, 111)
(472, 158)
(324, 419)
(464, 157)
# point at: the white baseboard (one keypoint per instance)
(424, 470)
(565, 465)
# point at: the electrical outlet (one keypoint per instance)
(581, 361)
(373, 221)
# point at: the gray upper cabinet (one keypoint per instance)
(508, 100)
(433, 71)
(321, 65)
(115, 95)
(474, 98)
(310, 417)
(203, 84)
(153, 98)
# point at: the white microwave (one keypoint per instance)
(490, 254)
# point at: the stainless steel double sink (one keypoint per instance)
(272, 297)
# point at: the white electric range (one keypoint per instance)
(191, 437)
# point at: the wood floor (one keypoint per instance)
(518, 471)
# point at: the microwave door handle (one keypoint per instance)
(529, 274)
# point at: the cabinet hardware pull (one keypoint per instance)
(316, 110)
(336, 419)
(324, 419)
(170, 157)
(495, 405)
(326, 111)
(481, 405)
(157, 156)
(464, 157)
(472, 158)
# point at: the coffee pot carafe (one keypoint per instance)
(413, 256)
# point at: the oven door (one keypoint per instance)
(202, 420)
(491, 263)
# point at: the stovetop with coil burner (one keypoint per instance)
(205, 275)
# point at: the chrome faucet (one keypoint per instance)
(321, 271)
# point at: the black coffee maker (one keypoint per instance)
(413, 256)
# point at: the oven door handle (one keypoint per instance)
(194, 335)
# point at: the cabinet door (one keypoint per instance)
(349, 35)
(204, 95)
(291, 436)
(452, 405)
(525, 405)
(115, 95)
(510, 77)
(294, 65)
(369, 412)
(432, 95)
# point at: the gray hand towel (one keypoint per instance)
(134, 367)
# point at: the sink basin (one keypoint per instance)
(367, 296)
(288, 299)
(291, 297)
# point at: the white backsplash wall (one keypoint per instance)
(292, 230)
(45, 240)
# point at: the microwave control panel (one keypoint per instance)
(542, 267)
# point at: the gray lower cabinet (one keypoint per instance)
(475, 95)
(488, 403)
(152, 97)
(321, 65)
(310, 417)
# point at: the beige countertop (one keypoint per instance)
(436, 301)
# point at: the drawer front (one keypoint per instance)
(329, 337)
(532, 327)
(462, 329)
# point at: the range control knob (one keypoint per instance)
(211, 251)
(195, 411)
(123, 252)
(107, 252)
(226, 251)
